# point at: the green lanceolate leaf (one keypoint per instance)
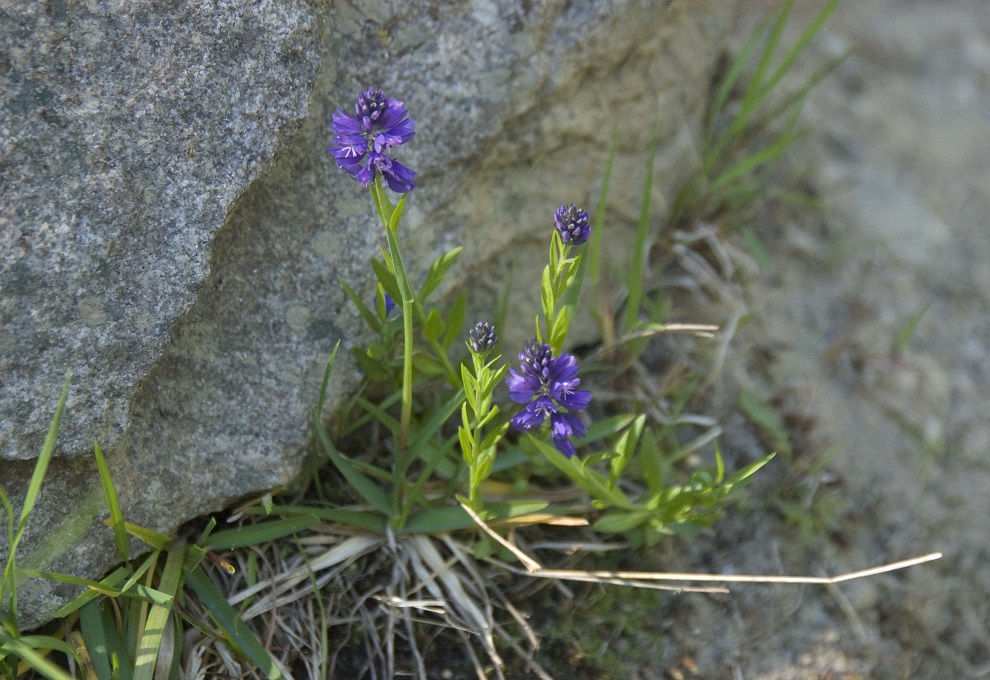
(116, 516)
(433, 328)
(367, 489)
(624, 449)
(229, 620)
(619, 522)
(437, 271)
(262, 532)
(455, 322)
(369, 317)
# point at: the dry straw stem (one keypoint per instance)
(636, 578)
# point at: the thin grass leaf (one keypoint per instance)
(102, 642)
(454, 518)
(153, 538)
(8, 583)
(229, 620)
(594, 254)
(387, 279)
(326, 379)
(41, 466)
(361, 519)
(809, 33)
(369, 316)
(750, 163)
(108, 584)
(634, 282)
(151, 640)
(32, 658)
(755, 92)
(262, 532)
(150, 595)
(455, 322)
(730, 80)
(367, 489)
(113, 504)
(438, 269)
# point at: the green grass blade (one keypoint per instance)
(594, 255)
(32, 658)
(361, 519)
(810, 31)
(638, 258)
(369, 317)
(8, 583)
(108, 584)
(262, 532)
(116, 516)
(150, 644)
(730, 80)
(367, 489)
(229, 620)
(95, 634)
(326, 380)
(41, 467)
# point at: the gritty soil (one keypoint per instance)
(899, 148)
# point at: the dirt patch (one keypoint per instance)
(873, 325)
(900, 140)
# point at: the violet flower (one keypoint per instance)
(547, 385)
(362, 142)
(482, 337)
(572, 224)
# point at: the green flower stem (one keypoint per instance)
(390, 220)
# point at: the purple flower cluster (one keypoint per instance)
(572, 224)
(362, 142)
(482, 337)
(547, 384)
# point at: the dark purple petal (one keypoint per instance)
(522, 388)
(535, 413)
(361, 142)
(577, 400)
(565, 446)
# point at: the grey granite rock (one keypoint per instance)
(174, 231)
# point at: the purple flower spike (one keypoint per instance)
(362, 142)
(572, 224)
(548, 386)
(482, 337)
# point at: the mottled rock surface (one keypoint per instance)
(174, 231)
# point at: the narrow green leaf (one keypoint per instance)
(229, 620)
(32, 658)
(150, 644)
(369, 317)
(634, 282)
(387, 280)
(362, 519)
(437, 271)
(326, 380)
(619, 522)
(153, 538)
(624, 449)
(116, 516)
(455, 321)
(262, 532)
(368, 490)
(433, 328)
(750, 469)
(94, 634)
(453, 518)
(650, 462)
(41, 466)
